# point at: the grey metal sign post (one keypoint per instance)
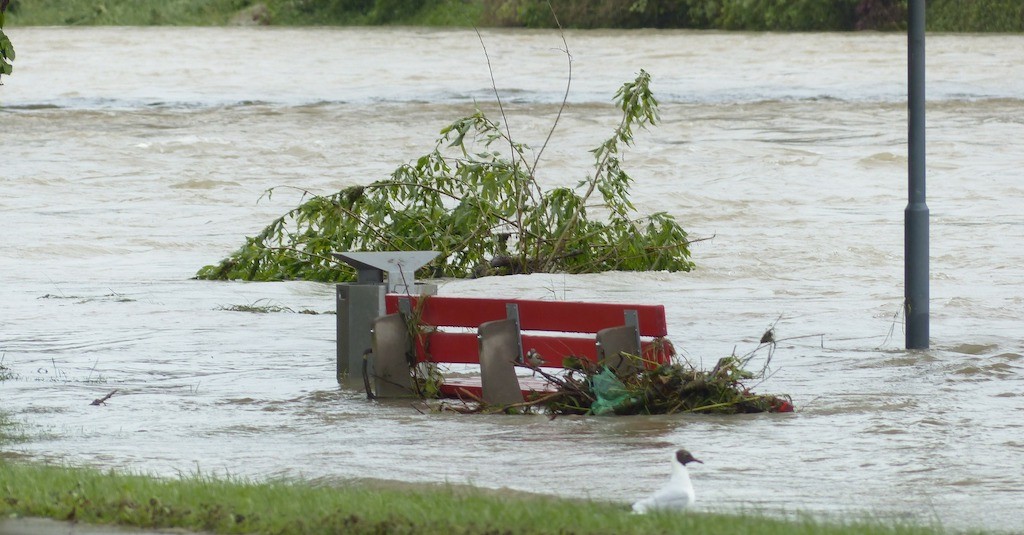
(362, 302)
(916, 214)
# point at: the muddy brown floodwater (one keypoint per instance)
(133, 156)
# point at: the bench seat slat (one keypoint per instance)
(458, 388)
(536, 315)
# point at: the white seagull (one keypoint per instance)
(677, 494)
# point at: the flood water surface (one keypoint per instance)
(132, 157)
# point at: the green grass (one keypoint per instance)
(233, 506)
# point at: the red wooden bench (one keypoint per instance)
(453, 330)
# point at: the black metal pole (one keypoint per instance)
(916, 214)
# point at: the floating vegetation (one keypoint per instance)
(258, 308)
(5, 372)
(103, 400)
(112, 296)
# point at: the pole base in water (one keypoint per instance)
(916, 275)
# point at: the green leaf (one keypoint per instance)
(6, 47)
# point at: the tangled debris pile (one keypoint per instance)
(588, 389)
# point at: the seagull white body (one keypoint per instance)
(677, 494)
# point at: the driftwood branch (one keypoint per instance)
(103, 400)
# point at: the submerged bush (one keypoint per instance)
(475, 199)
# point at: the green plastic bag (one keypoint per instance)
(609, 392)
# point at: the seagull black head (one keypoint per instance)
(684, 457)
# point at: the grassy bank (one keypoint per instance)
(750, 15)
(203, 504)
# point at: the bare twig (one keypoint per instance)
(568, 84)
(534, 402)
(366, 374)
(800, 337)
(300, 252)
(497, 96)
(892, 326)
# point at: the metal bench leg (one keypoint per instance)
(390, 372)
(500, 347)
(614, 341)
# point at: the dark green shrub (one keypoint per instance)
(881, 15)
(394, 11)
(786, 15)
(975, 15)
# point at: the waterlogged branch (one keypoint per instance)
(349, 193)
(561, 107)
(639, 107)
(483, 212)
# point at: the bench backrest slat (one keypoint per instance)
(535, 315)
(461, 348)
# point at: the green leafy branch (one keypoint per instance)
(484, 211)
(6, 47)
